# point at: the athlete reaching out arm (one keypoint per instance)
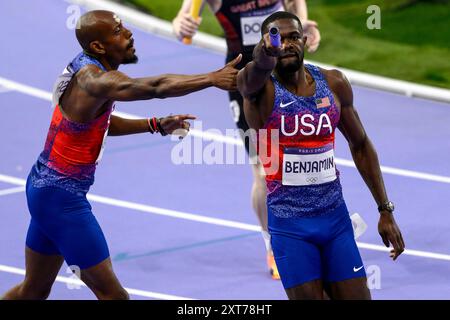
(58, 183)
(253, 78)
(253, 84)
(241, 23)
(311, 232)
(93, 87)
(115, 85)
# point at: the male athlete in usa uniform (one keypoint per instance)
(241, 22)
(62, 225)
(296, 110)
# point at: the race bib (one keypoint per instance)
(100, 155)
(60, 86)
(251, 27)
(308, 166)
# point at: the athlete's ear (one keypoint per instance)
(304, 39)
(97, 48)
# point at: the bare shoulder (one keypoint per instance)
(339, 84)
(336, 78)
(97, 81)
(87, 74)
(90, 70)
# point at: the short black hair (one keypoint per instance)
(277, 16)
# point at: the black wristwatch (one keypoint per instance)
(386, 206)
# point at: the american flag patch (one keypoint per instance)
(323, 103)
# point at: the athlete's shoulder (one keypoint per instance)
(339, 84)
(88, 74)
(335, 77)
(89, 70)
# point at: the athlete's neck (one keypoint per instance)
(296, 82)
(105, 63)
(108, 64)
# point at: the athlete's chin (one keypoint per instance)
(132, 59)
(289, 67)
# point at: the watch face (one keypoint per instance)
(390, 206)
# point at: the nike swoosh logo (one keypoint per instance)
(282, 105)
(357, 269)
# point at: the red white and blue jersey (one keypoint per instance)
(72, 150)
(301, 174)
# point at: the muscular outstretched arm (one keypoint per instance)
(252, 78)
(115, 85)
(366, 159)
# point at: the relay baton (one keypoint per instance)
(275, 39)
(195, 11)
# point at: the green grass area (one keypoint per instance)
(413, 43)
(168, 9)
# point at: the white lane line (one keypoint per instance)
(13, 180)
(4, 89)
(77, 282)
(38, 93)
(400, 172)
(173, 213)
(219, 222)
(4, 192)
(151, 209)
(408, 252)
(22, 88)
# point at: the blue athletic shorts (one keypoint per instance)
(62, 223)
(319, 247)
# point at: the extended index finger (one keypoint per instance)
(187, 117)
(235, 61)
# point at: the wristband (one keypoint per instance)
(160, 128)
(150, 128)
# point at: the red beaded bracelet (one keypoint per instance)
(150, 128)
(155, 125)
